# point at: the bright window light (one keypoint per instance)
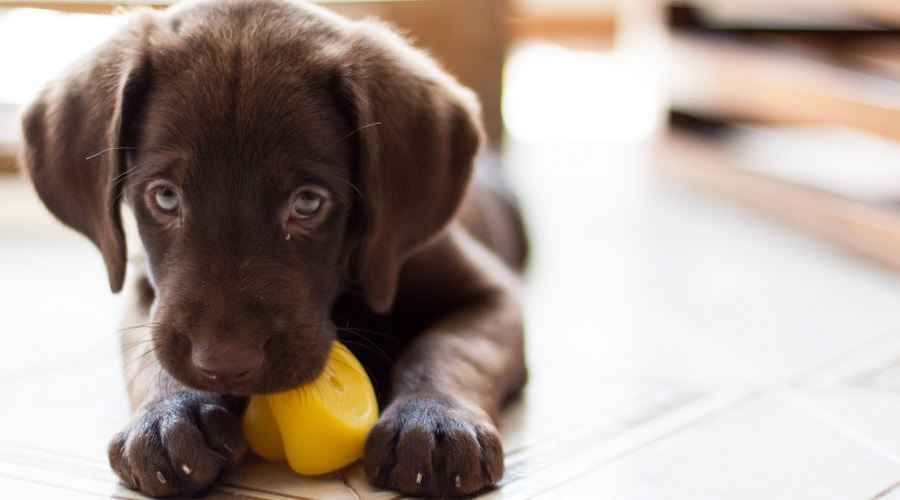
(39, 43)
(555, 94)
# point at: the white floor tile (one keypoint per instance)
(762, 448)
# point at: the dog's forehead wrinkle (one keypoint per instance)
(292, 140)
(291, 48)
(249, 117)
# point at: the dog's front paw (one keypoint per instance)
(433, 446)
(178, 446)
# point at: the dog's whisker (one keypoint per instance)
(351, 134)
(348, 365)
(137, 375)
(353, 187)
(356, 329)
(135, 327)
(127, 173)
(141, 357)
(119, 180)
(369, 345)
(381, 354)
(135, 344)
(107, 150)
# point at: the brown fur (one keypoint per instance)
(237, 103)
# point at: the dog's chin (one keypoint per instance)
(257, 385)
(245, 389)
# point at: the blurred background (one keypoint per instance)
(712, 189)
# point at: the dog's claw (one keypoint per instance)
(413, 439)
(172, 447)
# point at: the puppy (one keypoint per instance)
(295, 178)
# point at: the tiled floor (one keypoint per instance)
(680, 347)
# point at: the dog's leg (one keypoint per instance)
(178, 440)
(438, 435)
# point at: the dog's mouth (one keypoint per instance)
(284, 361)
(282, 370)
(230, 387)
(261, 383)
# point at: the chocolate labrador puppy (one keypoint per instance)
(295, 178)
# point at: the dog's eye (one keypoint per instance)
(307, 203)
(166, 197)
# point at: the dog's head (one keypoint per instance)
(274, 156)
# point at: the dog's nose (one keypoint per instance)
(227, 367)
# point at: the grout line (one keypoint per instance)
(815, 410)
(248, 492)
(887, 491)
(873, 373)
(254, 489)
(798, 377)
(697, 413)
(862, 386)
(346, 481)
(60, 456)
(590, 422)
(50, 484)
(623, 420)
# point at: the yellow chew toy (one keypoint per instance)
(319, 427)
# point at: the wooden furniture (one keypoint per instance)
(865, 227)
(469, 37)
(738, 65)
(744, 82)
(8, 133)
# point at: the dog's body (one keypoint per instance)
(295, 178)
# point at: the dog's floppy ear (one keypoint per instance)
(74, 135)
(418, 131)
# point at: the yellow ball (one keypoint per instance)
(318, 427)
